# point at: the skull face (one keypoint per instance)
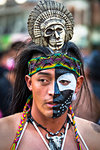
(55, 142)
(55, 35)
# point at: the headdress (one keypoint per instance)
(45, 13)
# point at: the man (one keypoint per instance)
(48, 78)
(48, 81)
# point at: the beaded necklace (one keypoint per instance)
(55, 141)
(25, 113)
(50, 145)
(53, 134)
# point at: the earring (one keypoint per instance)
(74, 97)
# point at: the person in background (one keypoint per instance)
(5, 85)
(93, 75)
(92, 67)
(15, 49)
(7, 75)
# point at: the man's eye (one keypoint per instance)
(44, 81)
(64, 82)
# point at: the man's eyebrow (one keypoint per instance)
(44, 73)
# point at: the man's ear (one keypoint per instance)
(79, 83)
(28, 82)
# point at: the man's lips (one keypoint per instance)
(52, 104)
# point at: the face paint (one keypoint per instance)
(67, 77)
(65, 84)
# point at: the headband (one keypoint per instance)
(56, 60)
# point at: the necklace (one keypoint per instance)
(55, 142)
(53, 134)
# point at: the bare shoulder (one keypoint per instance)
(8, 128)
(90, 132)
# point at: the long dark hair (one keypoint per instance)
(21, 91)
(73, 51)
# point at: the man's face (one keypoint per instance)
(52, 91)
(55, 34)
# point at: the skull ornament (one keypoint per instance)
(50, 24)
(55, 36)
(55, 142)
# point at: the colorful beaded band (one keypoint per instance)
(75, 128)
(56, 60)
(26, 110)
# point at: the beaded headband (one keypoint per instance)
(56, 60)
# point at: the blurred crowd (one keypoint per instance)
(8, 74)
(92, 72)
(90, 109)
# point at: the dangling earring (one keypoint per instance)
(74, 97)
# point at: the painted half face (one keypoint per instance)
(55, 35)
(52, 91)
(65, 84)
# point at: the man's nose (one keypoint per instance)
(56, 90)
(51, 89)
(56, 34)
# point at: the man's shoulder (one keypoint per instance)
(87, 124)
(8, 128)
(10, 122)
(10, 117)
(90, 132)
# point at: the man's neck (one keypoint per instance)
(52, 124)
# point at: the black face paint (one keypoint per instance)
(62, 98)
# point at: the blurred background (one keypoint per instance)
(13, 33)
